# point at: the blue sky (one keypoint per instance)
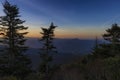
(74, 18)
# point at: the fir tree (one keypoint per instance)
(13, 61)
(113, 34)
(112, 47)
(96, 48)
(113, 37)
(47, 50)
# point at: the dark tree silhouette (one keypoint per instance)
(96, 48)
(47, 50)
(12, 58)
(113, 36)
(112, 48)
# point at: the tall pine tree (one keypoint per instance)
(47, 50)
(13, 61)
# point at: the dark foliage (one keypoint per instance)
(48, 49)
(113, 36)
(112, 48)
(12, 58)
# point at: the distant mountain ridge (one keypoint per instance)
(76, 46)
(68, 49)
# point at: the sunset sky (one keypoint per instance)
(84, 19)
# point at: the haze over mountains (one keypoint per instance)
(68, 49)
(76, 46)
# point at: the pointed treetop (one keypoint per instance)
(115, 24)
(6, 3)
(52, 24)
(116, 27)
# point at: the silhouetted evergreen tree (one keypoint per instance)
(47, 51)
(112, 47)
(13, 61)
(113, 36)
(96, 47)
(105, 50)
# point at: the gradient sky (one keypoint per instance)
(74, 18)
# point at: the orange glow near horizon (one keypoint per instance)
(65, 33)
(81, 33)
